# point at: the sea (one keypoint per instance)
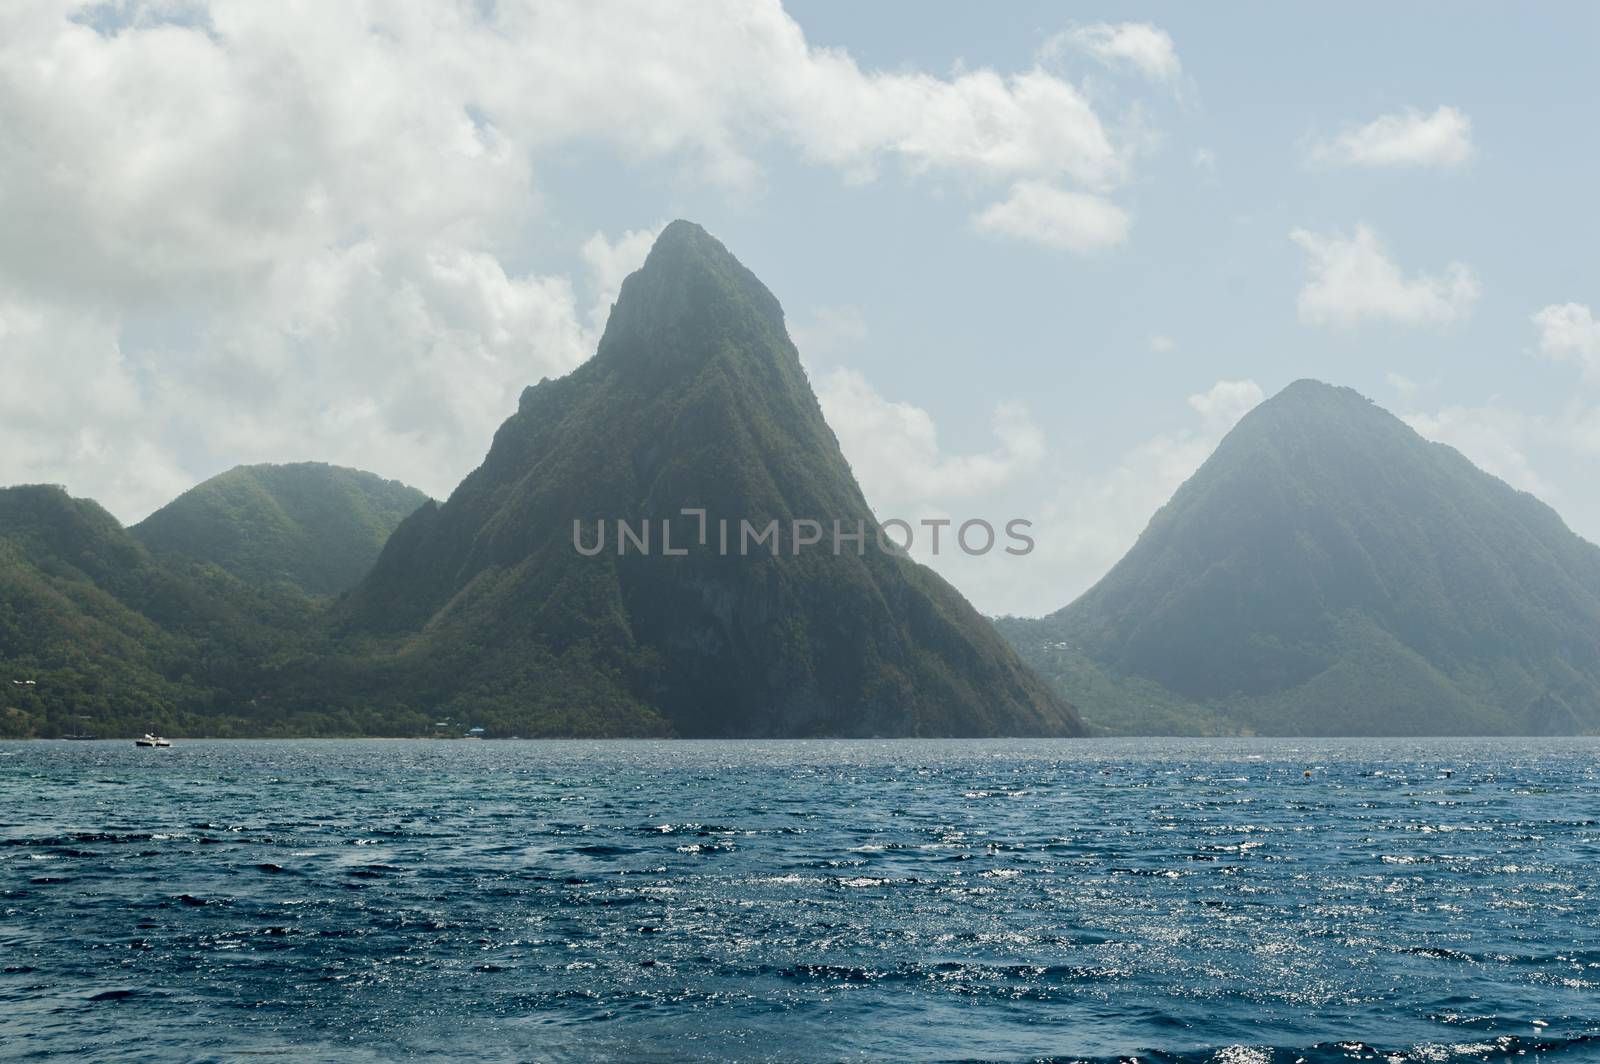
(1232, 901)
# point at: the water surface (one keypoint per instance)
(1179, 900)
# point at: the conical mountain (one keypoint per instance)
(308, 525)
(484, 607)
(1329, 571)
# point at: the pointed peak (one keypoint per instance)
(1309, 389)
(690, 287)
(681, 233)
(1306, 402)
(1311, 417)
(684, 247)
(1310, 386)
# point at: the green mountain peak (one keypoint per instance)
(483, 608)
(1329, 571)
(695, 400)
(690, 298)
(308, 525)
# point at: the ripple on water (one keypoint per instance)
(1184, 901)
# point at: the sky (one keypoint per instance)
(1037, 259)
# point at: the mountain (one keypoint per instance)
(312, 526)
(116, 640)
(482, 607)
(1328, 571)
(216, 616)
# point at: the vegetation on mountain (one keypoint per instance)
(115, 640)
(309, 525)
(695, 399)
(1330, 572)
(480, 612)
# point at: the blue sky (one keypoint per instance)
(234, 235)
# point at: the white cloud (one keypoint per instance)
(1221, 407)
(1405, 138)
(1056, 218)
(394, 360)
(181, 154)
(827, 331)
(267, 232)
(1083, 521)
(1570, 333)
(893, 447)
(609, 262)
(71, 408)
(1555, 454)
(1090, 520)
(1407, 388)
(1145, 48)
(1352, 280)
(1031, 124)
(1161, 344)
(1496, 439)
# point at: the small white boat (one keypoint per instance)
(152, 740)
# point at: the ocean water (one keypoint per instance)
(1174, 900)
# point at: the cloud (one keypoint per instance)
(1406, 138)
(980, 123)
(385, 358)
(1083, 521)
(827, 331)
(609, 262)
(267, 232)
(1401, 383)
(1089, 520)
(175, 154)
(1570, 333)
(1407, 388)
(398, 360)
(1553, 454)
(1056, 218)
(1221, 407)
(1352, 281)
(71, 404)
(1161, 344)
(1494, 438)
(893, 447)
(1140, 46)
